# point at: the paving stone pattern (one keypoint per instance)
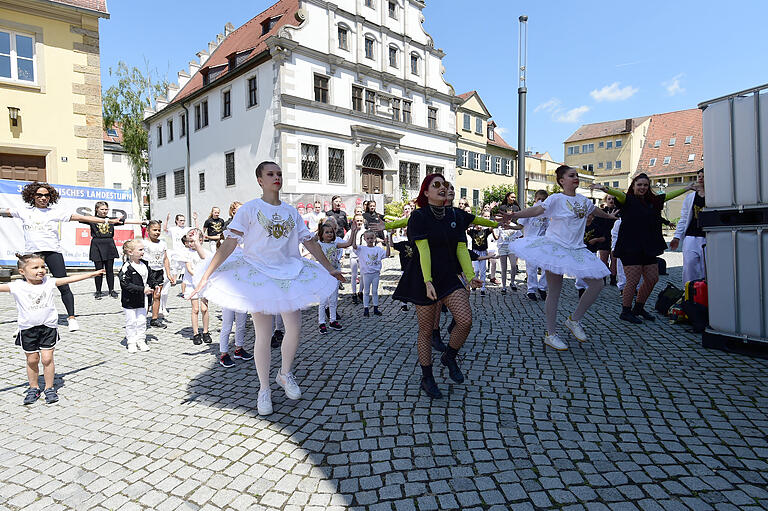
(641, 418)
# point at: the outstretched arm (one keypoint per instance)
(5, 212)
(602, 214)
(221, 255)
(391, 226)
(677, 193)
(528, 212)
(484, 222)
(88, 219)
(621, 197)
(77, 278)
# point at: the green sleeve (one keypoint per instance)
(674, 194)
(425, 259)
(484, 222)
(621, 197)
(396, 224)
(464, 260)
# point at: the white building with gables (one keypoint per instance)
(348, 97)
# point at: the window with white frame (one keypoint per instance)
(343, 38)
(159, 135)
(672, 141)
(498, 165)
(252, 92)
(310, 168)
(618, 143)
(476, 161)
(178, 182)
(508, 167)
(689, 139)
(464, 159)
(226, 104)
(657, 143)
(407, 112)
(432, 118)
(691, 157)
(335, 165)
(433, 169)
(609, 165)
(414, 64)
(599, 165)
(170, 130)
(478, 125)
(609, 144)
(600, 145)
(652, 162)
(618, 164)
(321, 88)
(369, 46)
(467, 122)
(667, 159)
(18, 62)
(487, 163)
(392, 9)
(229, 169)
(393, 51)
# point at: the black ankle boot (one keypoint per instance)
(613, 280)
(437, 341)
(449, 360)
(640, 311)
(627, 315)
(428, 384)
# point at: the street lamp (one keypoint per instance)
(522, 90)
(13, 113)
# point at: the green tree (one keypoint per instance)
(124, 104)
(496, 193)
(394, 209)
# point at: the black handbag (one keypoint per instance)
(668, 297)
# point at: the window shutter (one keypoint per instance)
(482, 162)
(472, 160)
(458, 157)
(504, 165)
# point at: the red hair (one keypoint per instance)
(421, 200)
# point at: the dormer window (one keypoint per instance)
(206, 79)
(269, 24)
(490, 132)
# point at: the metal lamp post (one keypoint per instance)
(522, 90)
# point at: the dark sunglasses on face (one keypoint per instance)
(41, 195)
(439, 184)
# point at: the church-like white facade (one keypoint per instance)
(348, 97)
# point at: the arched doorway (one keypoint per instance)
(372, 174)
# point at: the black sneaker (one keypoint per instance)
(404, 308)
(50, 396)
(504, 291)
(207, 338)
(581, 292)
(156, 323)
(429, 387)
(543, 294)
(532, 297)
(98, 295)
(335, 325)
(225, 361)
(376, 311)
(113, 294)
(197, 339)
(628, 316)
(277, 339)
(323, 328)
(241, 354)
(366, 314)
(482, 292)
(33, 394)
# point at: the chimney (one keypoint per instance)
(228, 29)
(219, 38)
(160, 103)
(628, 126)
(212, 47)
(194, 67)
(173, 89)
(203, 55)
(183, 78)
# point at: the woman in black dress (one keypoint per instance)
(103, 251)
(372, 217)
(433, 276)
(509, 204)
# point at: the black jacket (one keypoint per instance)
(132, 287)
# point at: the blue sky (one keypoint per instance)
(588, 61)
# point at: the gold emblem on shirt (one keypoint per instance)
(580, 210)
(103, 228)
(276, 227)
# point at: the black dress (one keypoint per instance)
(602, 228)
(373, 218)
(103, 242)
(640, 238)
(443, 236)
(405, 252)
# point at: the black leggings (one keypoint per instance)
(109, 266)
(55, 263)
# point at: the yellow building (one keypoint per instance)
(483, 157)
(50, 88)
(608, 150)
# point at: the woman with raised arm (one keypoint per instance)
(269, 276)
(562, 251)
(640, 241)
(41, 221)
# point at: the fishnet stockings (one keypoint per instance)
(650, 275)
(458, 304)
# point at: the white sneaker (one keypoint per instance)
(556, 342)
(132, 347)
(73, 324)
(264, 403)
(142, 345)
(288, 382)
(164, 312)
(576, 329)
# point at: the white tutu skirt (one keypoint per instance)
(552, 256)
(241, 286)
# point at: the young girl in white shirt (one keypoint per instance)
(194, 240)
(359, 223)
(562, 251)
(135, 288)
(269, 277)
(369, 259)
(37, 320)
(160, 276)
(536, 227)
(332, 246)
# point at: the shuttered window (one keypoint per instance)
(229, 165)
(178, 182)
(161, 191)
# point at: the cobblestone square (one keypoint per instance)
(640, 418)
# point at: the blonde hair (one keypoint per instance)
(128, 247)
(233, 207)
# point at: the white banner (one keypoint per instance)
(75, 237)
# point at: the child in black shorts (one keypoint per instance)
(38, 320)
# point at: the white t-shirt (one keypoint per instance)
(177, 233)
(313, 219)
(154, 254)
(370, 258)
(333, 252)
(193, 258)
(42, 227)
(35, 303)
(271, 237)
(141, 269)
(534, 227)
(567, 218)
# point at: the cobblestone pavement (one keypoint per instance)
(640, 418)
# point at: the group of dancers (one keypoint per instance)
(267, 261)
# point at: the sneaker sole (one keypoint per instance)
(337, 329)
(554, 348)
(222, 364)
(586, 339)
(238, 357)
(290, 396)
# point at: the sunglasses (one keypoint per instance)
(440, 184)
(41, 195)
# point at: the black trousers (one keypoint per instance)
(55, 263)
(109, 266)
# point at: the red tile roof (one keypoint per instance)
(247, 42)
(677, 125)
(498, 141)
(115, 140)
(467, 95)
(605, 129)
(99, 6)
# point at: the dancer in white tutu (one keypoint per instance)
(561, 251)
(269, 277)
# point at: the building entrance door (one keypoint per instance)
(372, 174)
(22, 167)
